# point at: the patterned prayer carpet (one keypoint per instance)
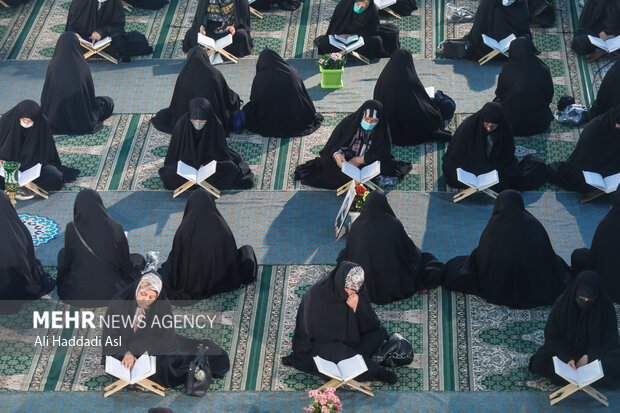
(469, 355)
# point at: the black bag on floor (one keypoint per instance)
(454, 48)
(131, 44)
(248, 264)
(199, 377)
(394, 352)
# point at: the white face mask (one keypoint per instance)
(26, 125)
(507, 2)
(199, 124)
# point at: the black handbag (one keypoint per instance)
(454, 48)
(394, 352)
(199, 377)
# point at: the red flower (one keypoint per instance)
(360, 189)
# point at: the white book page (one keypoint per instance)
(346, 38)
(487, 180)
(206, 41)
(102, 42)
(29, 175)
(430, 91)
(141, 368)
(504, 44)
(187, 171)
(223, 42)
(612, 182)
(613, 44)
(489, 41)
(206, 171)
(352, 367)
(589, 373)
(347, 48)
(86, 43)
(351, 171)
(382, 4)
(565, 371)
(327, 367)
(115, 368)
(370, 171)
(598, 42)
(467, 178)
(595, 180)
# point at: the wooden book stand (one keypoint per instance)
(569, 389)
(256, 13)
(128, 7)
(37, 190)
(357, 55)
(392, 12)
(204, 185)
(592, 195)
(224, 53)
(334, 384)
(470, 191)
(344, 188)
(487, 58)
(146, 384)
(4, 4)
(100, 52)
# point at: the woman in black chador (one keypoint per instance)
(525, 90)
(21, 275)
(95, 263)
(68, 97)
(218, 18)
(360, 139)
(599, 18)
(361, 17)
(514, 263)
(598, 150)
(581, 328)
(279, 104)
(497, 19)
(602, 256)
(26, 137)
(394, 267)
(335, 321)
(204, 259)
(198, 139)
(199, 79)
(151, 331)
(94, 20)
(413, 117)
(484, 142)
(608, 95)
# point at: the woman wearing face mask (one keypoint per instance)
(598, 150)
(199, 78)
(361, 17)
(497, 19)
(150, 330)
(26, 137)
(359, 139)
(335, 321)
(198, 139)
(581, 328)
(484, 142)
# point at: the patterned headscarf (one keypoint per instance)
(354, 278)
(149, 281)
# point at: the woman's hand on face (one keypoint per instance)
(352, 301)
(231, 29)
(128, 360)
